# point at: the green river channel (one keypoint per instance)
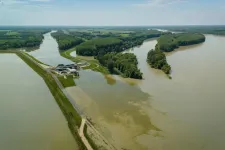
(156, 113)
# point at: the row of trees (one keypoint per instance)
(123, 64)
(66, 41)
(21, 38)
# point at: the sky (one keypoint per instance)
(112, 12)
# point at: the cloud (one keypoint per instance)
(158, 3)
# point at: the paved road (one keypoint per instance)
(81, 133)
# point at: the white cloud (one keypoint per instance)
(158, 3)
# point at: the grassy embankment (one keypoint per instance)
(36, 59)
(73, 118)
(93, 64)
(68, 81)
(91, 142)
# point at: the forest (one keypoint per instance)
(66, 41)
(117, 43)
(157, 60)
(98, 46)
(18, 38)
(122, 64)
(106, 46)
(167, 43)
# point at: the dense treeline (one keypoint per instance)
(118, 43)
(21, 38)
(66, 41)
(169, 42)
(157, 60)
(99, 46)
(123, 64)
(137, 38)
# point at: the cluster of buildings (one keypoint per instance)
(70, 69)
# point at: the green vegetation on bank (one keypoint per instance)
(20, 38)
(36, 59)
(73, 118)
(66, 41)
(157, 60)
(115, 43)
(167, 43)
(99, 45)
(68, 81)
(122, 64)
(106, 46)
(90, 141)
(92, 63)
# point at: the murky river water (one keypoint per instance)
(157, 113)
(30, 119)
(185, 113)
(48, 52)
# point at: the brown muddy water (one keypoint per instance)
(30, 119)
(185, 113)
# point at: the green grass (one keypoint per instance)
(93, 63)
(68, 82)
(73, 118)
(91, 142)
(36, 59)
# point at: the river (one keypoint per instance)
(29, 116)
(48, 52)
(157, 113)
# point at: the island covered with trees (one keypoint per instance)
(19, 38)
(167, 43)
